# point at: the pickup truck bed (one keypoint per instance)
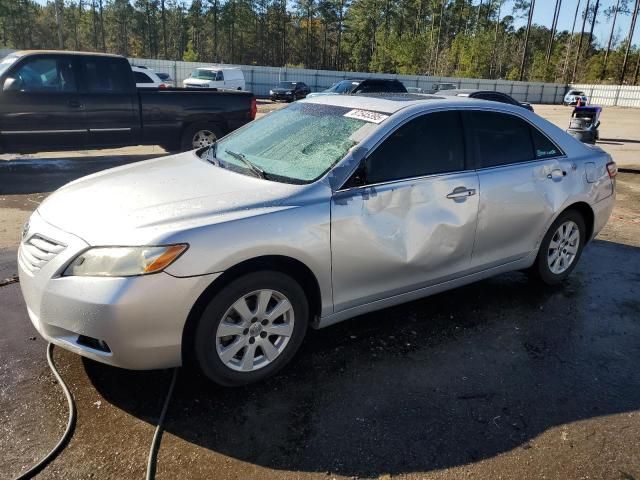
(52, 100)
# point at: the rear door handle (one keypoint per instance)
(76, 104)
(461, 192)
(556, 173)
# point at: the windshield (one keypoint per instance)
(203, 74)
(342, 87)
(575, 92)
(286, 85)
(297, 144)
(6, 62)
(163, 76)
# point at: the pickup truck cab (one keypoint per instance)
(53, 100)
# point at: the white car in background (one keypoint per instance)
(166, 78)
(572, 97)
(147, 78)
(216, 77)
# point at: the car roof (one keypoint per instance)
(215, 68)
(391, 103)
(467, 91)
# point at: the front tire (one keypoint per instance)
(251, 329)
(560, 249)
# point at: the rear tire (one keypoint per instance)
(251, 329)
(560, 249)
(199, 135)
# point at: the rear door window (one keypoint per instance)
(430, 144)
(142, 77)
(500, 138)
(106, 75)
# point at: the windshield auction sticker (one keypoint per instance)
(367, 116)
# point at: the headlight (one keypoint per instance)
(270, 92)
(123, 261)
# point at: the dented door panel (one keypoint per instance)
(396, 237)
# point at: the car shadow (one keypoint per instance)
(25, 175)
(440, 382)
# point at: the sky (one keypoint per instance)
(543, 15)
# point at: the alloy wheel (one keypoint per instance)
(255, 330)
(563, 247)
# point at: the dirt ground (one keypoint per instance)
(501, 379)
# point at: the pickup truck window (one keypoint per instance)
(106, 75)
(44, 75)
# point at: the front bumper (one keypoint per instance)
(141, 318)
(282, 96)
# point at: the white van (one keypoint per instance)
(216, 77)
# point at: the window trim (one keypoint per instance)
(468, 155)
(476, 155)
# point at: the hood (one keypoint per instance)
(147, 201)
(197, 81)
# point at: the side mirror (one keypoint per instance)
(8, 84)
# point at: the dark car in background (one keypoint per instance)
(369, 85)
(485, 95)
(438, 87)
(289, 91)
(56, 100)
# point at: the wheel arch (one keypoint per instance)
(287, 265)
(587, 214)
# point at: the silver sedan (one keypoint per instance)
(330, 208)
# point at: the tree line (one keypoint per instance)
(460, 38)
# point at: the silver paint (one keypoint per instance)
(367, 247)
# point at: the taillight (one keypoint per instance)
(163, 85)
(612, 168)
(254, 109)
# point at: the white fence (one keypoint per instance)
(611, 95)
(260, 79)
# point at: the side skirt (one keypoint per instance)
(519, 264)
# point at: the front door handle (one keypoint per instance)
(76, 104)
(461, 192)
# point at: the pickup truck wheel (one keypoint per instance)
(251, 328)
(199, 135)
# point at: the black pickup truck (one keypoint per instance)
(54, 100)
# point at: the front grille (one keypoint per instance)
(37, 251)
